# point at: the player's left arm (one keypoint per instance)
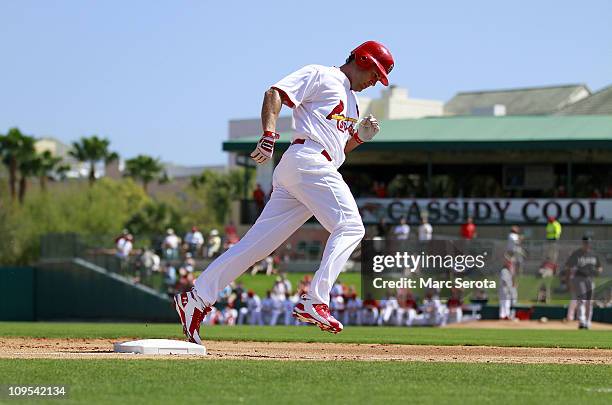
(368, 128)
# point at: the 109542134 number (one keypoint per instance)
(13, 391)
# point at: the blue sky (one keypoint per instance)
(164, 77)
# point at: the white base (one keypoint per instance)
(159, 346)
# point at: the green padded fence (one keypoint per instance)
(17, 293)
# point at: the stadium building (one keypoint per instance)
(503, 157)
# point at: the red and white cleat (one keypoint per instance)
(318, 314)
(192, 311)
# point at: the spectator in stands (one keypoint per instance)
(170, 277)
(259, 196)
(254, 307)
(454, 306)
(124, 233)
(213, 247)
(468, 230)
(289, 303)
(380, 189)
(279, 290)
(402, 230)
(287, 283)
(353, 308)
(194, 241)
(271, 309)
(336, 302)
(425, 229)
(388, 308)
(183, 284)
(229, 315)
(370, 311)
(553, 229)
(407, 307)
(304, 285)
(238, 299)
(266, 265)
(124, 248)
(231, 235)
(150, 262)
(171, 245)
(381, 228)
(434, 313)
(560, 192)
(189, 264)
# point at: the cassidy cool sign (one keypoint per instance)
(492, 211)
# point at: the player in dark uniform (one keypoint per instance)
(580, 269)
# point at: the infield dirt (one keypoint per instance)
(31, 348)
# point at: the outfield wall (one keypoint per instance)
(77, 290)
(17, 300)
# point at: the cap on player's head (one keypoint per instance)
(587, 238)
(374, 54)
(551, 218)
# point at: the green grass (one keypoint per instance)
(388, 335)
(264, 382)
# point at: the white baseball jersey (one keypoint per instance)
(425, 231)
(325, 109)
(305, 183)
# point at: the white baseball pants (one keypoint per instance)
(305, 183)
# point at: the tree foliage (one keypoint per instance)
(93, 150)
(102, 209)
(219, 189)
(154, 219)
(145, 169)
(16, 151)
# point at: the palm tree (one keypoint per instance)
(93, 150)
(29, 164)
(146, 169)
(13, 146)
(49, 164)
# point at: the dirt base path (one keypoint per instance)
(29, 348)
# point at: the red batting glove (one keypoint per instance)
(265, 147)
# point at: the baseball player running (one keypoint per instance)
(306, 182)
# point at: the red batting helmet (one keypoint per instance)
(372, 53)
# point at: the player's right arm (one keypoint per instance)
(270, 110)
(294, 89)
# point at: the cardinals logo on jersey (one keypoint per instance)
(336, 111)
(343, 123)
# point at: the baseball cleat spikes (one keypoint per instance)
(318, 314)
(191, 311)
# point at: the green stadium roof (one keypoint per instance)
(474, 133)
